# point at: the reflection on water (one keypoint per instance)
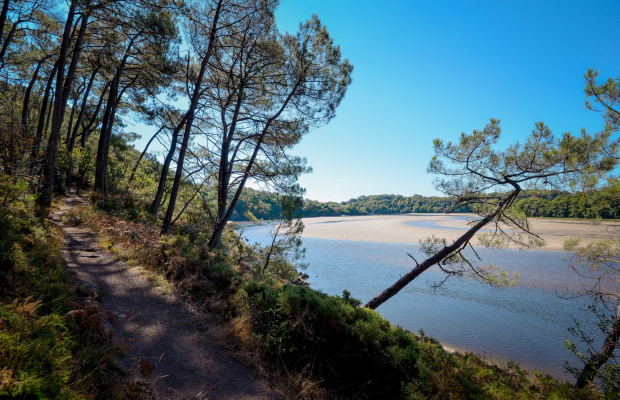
(527, 323)
(434, 225)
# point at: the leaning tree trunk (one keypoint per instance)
(597, 360)
(47, 181)
(104, 139)
(188, 123)
(442, 254)
(225, 169)
(42, 119)
(3, 14)
(161, 187)
(216, 237)
(135, 167)
(224, 214)
(77, 50)
(28, 94)
(103, 148)
(90, 126)
(70, 124)
(7, 42)
(78, 123)
(215, 240)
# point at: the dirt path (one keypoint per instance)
(188, 363)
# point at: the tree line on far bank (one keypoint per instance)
(255, 204)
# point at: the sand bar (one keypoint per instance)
(412, 228)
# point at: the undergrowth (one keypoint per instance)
(358, 354)
(51, 344)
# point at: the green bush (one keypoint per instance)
(358, 354)
(35, 356)
(222, 275)
(44, 354)
(354, 350)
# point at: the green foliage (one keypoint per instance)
(29, 251)
(534, 203)
(302, 327)
(606, 95)
(554, 204)
(266, 205)
(358, 354)
(43, 353)
(222, 275)
(36, 351)
(14, 137)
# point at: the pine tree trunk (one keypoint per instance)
(104, 138)
(28, 94)
(47, 181)
(70, 124)
(135, 167)
(163, 177)
(76, 128)
(77, 50)
(89, 127)
(216, 237)
(188, 124)
(597, 360)
(3, 14)
(103, 148)
(441, 255)
(42, 118)
(7, 42)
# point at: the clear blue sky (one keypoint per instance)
(428, 69)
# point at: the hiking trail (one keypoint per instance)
(184, 358)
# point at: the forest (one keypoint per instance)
(222, 96)
(255, 204)
(226, 93)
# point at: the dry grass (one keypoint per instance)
(238, 336)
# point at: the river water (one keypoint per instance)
(526, 323)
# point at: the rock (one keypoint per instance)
(90, 289)
(302, 280)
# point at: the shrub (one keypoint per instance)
(35, 356)
(44, 353)
(354, 350)
(222, 275)
(358, 354)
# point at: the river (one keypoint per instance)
(527, 323)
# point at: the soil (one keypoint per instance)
(174, 348)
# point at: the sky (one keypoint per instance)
(434, 69)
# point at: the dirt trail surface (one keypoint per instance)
(160, 330)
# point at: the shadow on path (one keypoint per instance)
(187, 361)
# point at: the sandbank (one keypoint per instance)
(412, 228)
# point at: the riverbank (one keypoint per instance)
(412, 228)
(277, 326)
